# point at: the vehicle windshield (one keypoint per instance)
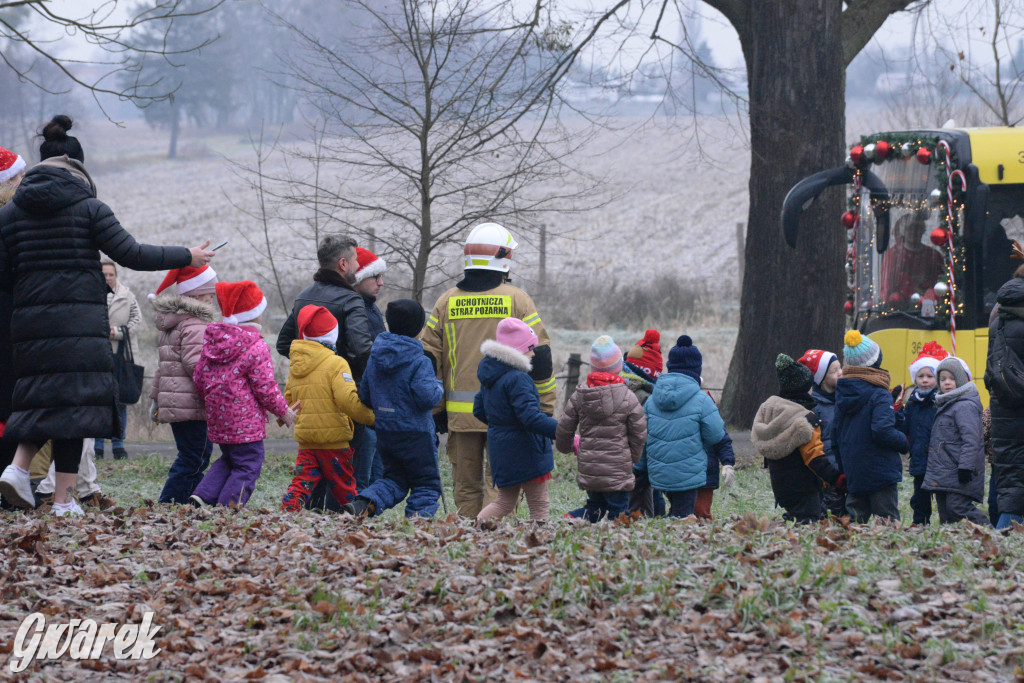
(899, 278)
(1004, 225)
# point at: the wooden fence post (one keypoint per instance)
(572, 379)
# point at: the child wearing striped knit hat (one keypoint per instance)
(612, 429)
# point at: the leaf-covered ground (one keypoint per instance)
(257, 595)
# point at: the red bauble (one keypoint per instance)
(924, 156)
(857, 154)
(895, 298)
(848, 307)
(939, 237)
(882, 150)
(849, 219)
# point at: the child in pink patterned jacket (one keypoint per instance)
(235, 379)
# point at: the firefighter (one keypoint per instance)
(462, 319)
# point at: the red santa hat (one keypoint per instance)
(817, 361)
(318, 324)
(370, 265)
(931, 355)
(646, 355)
(192, 281)
(11, 164)
(240, 302)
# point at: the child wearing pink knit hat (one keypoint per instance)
(613, 430)
(518, 434)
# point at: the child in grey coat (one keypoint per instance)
(956, 453)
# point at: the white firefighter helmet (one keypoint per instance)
(489, 247)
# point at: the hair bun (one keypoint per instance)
(58, 127)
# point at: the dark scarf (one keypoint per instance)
(801, 398)
(331, 277)
(480, 280)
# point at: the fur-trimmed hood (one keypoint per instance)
(172, 308)
(506, 354)
(780, 427)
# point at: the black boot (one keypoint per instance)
(359, 507)
(120, 454)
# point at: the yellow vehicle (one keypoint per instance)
(912, 252)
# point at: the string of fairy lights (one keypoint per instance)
(939, 299)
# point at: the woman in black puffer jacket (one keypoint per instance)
(51, 236)
(1007, 422)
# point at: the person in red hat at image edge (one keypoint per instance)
(321, 381)
(181, 321)
(235, 380)
(827, 370)
(12, 170)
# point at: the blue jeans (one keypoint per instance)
(682, 502)
(122, 411)
(367, 461)
(1006, 520)
(603, 504)
(410, 468)
(194, 451)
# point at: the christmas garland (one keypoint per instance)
(877, 149)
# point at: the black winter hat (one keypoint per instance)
(684, 357)
(405, 317)
(794, 378)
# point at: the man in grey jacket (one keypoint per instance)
(332, 289)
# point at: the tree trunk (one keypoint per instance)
(791, 300)
(172, 151)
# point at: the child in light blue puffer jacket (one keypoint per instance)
(682, 422)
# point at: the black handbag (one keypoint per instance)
(127, 373)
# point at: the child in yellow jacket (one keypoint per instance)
(321, 381)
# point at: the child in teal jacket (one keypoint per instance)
(682, 422)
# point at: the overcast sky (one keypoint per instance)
(719, 35)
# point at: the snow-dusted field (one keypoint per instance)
(673, 214)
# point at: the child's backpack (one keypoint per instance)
(1004, 372)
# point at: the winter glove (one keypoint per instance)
(840, 484)
(728, 476)
(576, 444)
(964, 476)
(441, 422)
(540, 366)
(154, 411)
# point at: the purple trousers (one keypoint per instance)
(231, 479)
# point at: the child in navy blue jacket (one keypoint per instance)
(827, 371)
(915, 419)
(400, 385)
(864, 436)
(518, 434)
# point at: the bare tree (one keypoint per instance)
(796, 52)
(40, 26)
(431, 116)
(980, 46)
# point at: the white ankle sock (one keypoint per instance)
(20, 470)
(62, 506)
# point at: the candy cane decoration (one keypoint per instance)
(950, 222)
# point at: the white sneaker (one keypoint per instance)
(196, 501)
(73, 509)
(15, 488)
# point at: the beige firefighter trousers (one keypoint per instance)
(471, 472)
